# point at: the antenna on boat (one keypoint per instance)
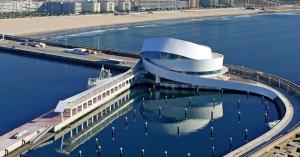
(103, 74)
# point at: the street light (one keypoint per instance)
(98, 43)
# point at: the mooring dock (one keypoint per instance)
(34, 130)
(69, 110)
(30, 132)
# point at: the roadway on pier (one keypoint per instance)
(51, 51)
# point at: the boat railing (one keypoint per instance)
(101, 88)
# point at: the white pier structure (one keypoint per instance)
(173, 63)
(78, 105)
(184, 62)
(177, 61)
(95, 121)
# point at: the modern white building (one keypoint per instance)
(181, 57)
(108, 6)
(174, 61)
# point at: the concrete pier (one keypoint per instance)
(67, 113)
(57, 53)
(70, 110)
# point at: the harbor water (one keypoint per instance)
(269, 42)
(160, 123)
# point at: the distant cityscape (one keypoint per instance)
(65, 7)
(58, 7)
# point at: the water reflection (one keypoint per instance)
(90, 125)
(191, 110)
(190, 113)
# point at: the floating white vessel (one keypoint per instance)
(103, 75)
(273, 124)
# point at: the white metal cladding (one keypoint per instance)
(187, 65)
(177, 47)
(207, 82)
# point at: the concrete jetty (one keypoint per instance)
(67, 112)
(116, 60)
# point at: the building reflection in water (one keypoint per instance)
(191, 113)
(90, 125)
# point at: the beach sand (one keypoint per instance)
(40, 25)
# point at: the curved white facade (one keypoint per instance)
(178, 47)
(183, 57)
(174, 70)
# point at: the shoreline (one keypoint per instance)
(57, 24)
(63, 31)
(39, 26)
(79, 30)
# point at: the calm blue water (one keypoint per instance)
(266, 42)
(31, 87)
(194, 133)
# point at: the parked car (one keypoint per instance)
(77, 51)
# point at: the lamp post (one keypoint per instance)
(98, 44)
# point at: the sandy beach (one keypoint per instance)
(39, 25)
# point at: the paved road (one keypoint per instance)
(58, 51)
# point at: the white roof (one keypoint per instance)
(67, 103)
(60, 107)
(177, 47)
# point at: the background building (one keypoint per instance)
(182, 4)
(91, 7)
(216, 3)
(124, 6)
(209, 3)
(52, 8)
(157, 4)
(107, 6)
(58, 7)
(19, 6)
(226, 3)
(72, 7)
(193, 3)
